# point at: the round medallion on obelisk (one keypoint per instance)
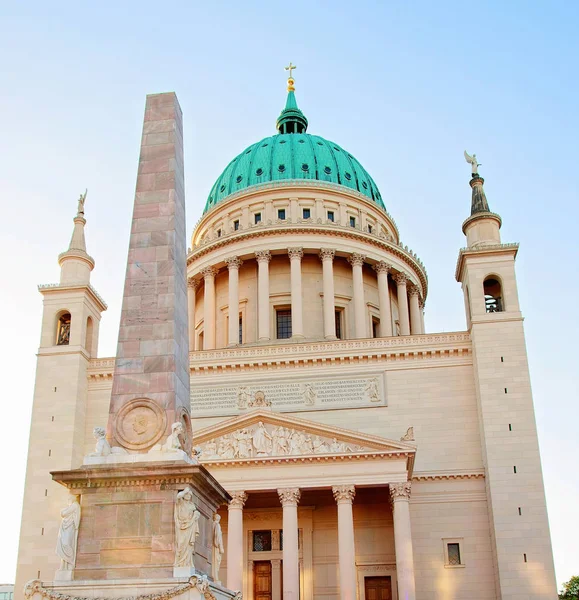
(140, 424)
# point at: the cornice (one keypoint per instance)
(447, 475)
(401, 349)
(329, 229)
(482, 251)
(49, 288)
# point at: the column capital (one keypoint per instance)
(400, 278)
(237, 499)
(233, 262)
(262, 256)
(208, 272)
(344, 494)
(421, 303)
(382, 267)
(327, 254)
(356, 259)
(413, 290)
(295, 253)
(289, 496)
(276, 563)
(193, 283)
(400, 491)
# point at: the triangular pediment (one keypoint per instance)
(264, 435)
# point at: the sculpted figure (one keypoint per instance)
(294, 443)
(261, 440)
(474, 164)
(280, 442)
(211, 449)
(408, 436)
(310, 394)
(68, 534)
(173, 442)
(186, 528)
(217, 548)
(81, 201)
(308, 447)
(242, 397)
(372, 390)
(320, 447)
(103, 448)
(226, 449)
(336, 446)
(243, 445)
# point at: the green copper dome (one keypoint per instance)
(293, 155)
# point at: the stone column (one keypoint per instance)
(327, 257)
(421, 305)
(344, 495)
(192, 285)
(401, 280)
(275, 579)
(289, 498)
(296, 255)
(382, 269)
(233, 263)
(415, 320)
(209, 308)
(263, 257)
(360, 329)
(235, 541)
(400, 497)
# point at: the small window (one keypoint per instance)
(239, 178)
(240, 330)
(369, 228)
(281, 168)
(257, 218)
(331, 217)
(327, 170)
(281, 214)
(236, 225)
(63, 332)
(262, 541)
(219, 233)
(283, 323)
(307, 213)
(352, 221)
(375, 327)
(338, 317)
(259, 172)
(493, 295)
(453, 554)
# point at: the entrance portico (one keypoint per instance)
(310, 499)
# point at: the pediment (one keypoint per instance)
(264, 435)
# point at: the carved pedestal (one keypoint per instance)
(127, 529)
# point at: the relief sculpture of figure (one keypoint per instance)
(261, 440)
(68, 534)
(310, 394)
(186, 528)
(372, 390)
(242, 397)
(217, 548)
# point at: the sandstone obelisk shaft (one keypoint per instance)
(151, 376)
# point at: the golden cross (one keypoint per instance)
(290, 68)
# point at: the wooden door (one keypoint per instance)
(262, 580)
(378, 588)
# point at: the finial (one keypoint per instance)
(474, 164)
(81, 201)
(290, 81)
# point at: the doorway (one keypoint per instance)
(262, 580)
(378, 588)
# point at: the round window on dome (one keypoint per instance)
(320, 144)
(301, 141)
(259, 172)
(282, 142)
(336, 148)
(305, 168)
(222, 188)
(347, 175)
(248, 151)
(239, 178)
(281, 168)
(327, 170)
(364, 185)
(264, 145)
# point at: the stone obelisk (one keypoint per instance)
(151, 377)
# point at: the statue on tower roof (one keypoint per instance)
(81, 201)
(474, 164)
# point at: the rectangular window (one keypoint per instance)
(281, 214)
(338, 317)
(283, 323)
(236, 225)
(352, 221)
(307, 213)
(331, 216)
(369, 228)
(219, 233)
(453, 554)
(240, 330)
(262, 541)
(257, 218)
(375, 327)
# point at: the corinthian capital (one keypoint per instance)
(289, 496)
(262, 256)
(382, 267)
(233, 262)
(209, 272)
(344, 494)
(295, 253)
(327, 254)
(357, 260)
(237, 499)
(193, 283)
(413, 291)
(400, 491)
(400, 279)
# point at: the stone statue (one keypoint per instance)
(310, 394)
(103, 448)
(81, 201)
(173, 442)
(217, 548)
(186, 528)
(261, 440)
(372, 390)
(211, 449)
(68, 534)
(259, 401)
(408, 436)
(242, 397)
(474, 165)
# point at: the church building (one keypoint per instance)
(360, 457)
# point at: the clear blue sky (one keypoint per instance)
(405, 87)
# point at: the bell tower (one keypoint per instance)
(520, 534)
(69, 339)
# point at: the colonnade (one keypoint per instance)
(410, 304)
(344, 496)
